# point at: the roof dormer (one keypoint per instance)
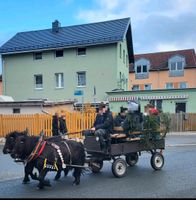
(176, 65)
(141, 68)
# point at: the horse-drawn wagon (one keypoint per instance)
(123, 150)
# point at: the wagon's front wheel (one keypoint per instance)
(157, 161)
(119, 167)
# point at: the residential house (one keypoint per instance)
(61, 62)
(163, 70)
(165, 79)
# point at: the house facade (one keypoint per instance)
(163, 70)
(56, 63)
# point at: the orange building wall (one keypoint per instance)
(159, 79)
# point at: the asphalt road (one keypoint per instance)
(177, 179)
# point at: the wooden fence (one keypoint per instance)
(183, 122)
(35, 123)
(76, 122)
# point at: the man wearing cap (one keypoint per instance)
(119, 119)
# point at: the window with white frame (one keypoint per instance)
(147, 86)
(169, 85)
(176, 63)
(182, 85)
(175, 66)
(38, 80)
(81, 78)
(59, 80)
(141, 69)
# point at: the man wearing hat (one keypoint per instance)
(102, 126)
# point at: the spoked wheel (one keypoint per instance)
(119, 167)
(96, 166)
(157, 161)
(132, 159)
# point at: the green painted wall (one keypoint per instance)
(168, 105)
(100, 64)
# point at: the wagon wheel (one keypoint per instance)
(119, 167)
(96, 166)
(132, 159)
(157, 161)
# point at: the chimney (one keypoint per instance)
(55, 26)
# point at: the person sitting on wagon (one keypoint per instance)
(120, 118)
(102, 126)
(134, 119)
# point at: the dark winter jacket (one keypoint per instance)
(107, 123)
(62, 125)
(119, 119)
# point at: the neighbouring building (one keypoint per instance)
(79, 62)
(165, 79)
(172, 100)
(163, 70)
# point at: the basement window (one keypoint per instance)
(16, 110)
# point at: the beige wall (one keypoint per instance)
(159, 79)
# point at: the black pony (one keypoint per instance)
(10, 140)
(52, 156)
(28, 169)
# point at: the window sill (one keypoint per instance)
(58, 88)
(81, 86)
(38, 88)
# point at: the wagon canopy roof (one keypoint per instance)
(71, 36)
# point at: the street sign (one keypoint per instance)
(78, 92)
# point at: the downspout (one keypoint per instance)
(45, 112)
(3, 75)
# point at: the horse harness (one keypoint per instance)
(39, 149)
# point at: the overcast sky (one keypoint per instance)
(157, 25)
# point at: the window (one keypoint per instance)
(81, 78)
(59, 80)
(120, 51)
(135, 87)
(16, 110)
(182, 85)
(81, 51)
(147, 87)
(123, 56)
(176, 66)
(156, 103)
(38, 81)
(141, 69)
(38, 56)
(169, 86)
(59, 53)
(180, 107)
